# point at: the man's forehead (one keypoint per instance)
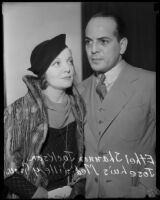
(100, 27)
(102, 22)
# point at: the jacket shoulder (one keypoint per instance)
(144, 73)
(81, 86)
(19, 105)
(146, 76)
(18, 102)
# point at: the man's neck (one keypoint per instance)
(113, 74)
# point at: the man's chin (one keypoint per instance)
(98, 69)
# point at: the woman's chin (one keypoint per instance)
(66, 85)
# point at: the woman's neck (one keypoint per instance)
(55, 95)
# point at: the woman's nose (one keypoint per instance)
(67, 67)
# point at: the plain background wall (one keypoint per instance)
(27, 24)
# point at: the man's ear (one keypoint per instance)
(123, 45)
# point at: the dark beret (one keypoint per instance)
(44, 53)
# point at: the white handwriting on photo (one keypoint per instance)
(91, 162)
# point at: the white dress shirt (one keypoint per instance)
(112, 75)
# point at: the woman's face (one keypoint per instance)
(60, 72)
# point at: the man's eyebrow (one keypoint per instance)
(104, 38)
(87, 38)
(100, 38)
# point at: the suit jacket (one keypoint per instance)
(120, 135)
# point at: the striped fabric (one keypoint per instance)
(25, 130)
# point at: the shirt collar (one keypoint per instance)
(113, 74)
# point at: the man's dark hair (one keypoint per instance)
(121, 27)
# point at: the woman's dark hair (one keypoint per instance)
(43, 82)
(121, 27)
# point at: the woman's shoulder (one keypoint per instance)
(19, 105)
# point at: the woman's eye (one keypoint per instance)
(70, 62)
(57, 63)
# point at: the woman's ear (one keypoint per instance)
(123, 45)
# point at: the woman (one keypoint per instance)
(44, 129)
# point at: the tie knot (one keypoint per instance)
(102, 78)
(101, 87)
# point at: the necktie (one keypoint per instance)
(101, 87)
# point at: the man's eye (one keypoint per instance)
(104, 42)
(87, 42)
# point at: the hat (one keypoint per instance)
(44, 53)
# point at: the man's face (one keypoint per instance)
(102, 47)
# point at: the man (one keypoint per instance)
(121, 120)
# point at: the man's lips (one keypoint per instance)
(96, 60)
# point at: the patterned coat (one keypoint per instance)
(25, 130)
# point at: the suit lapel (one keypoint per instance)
(118, 96)
(90, 100)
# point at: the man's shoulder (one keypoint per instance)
(144, 78)
(87, 80)
(145, 74)
(142, 73)
(84, 84)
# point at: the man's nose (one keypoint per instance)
(94, 47)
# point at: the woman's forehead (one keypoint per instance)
(65, 53)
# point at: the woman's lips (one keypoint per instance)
(67, 77)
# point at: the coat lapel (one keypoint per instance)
(90, 100)
(118, 96)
